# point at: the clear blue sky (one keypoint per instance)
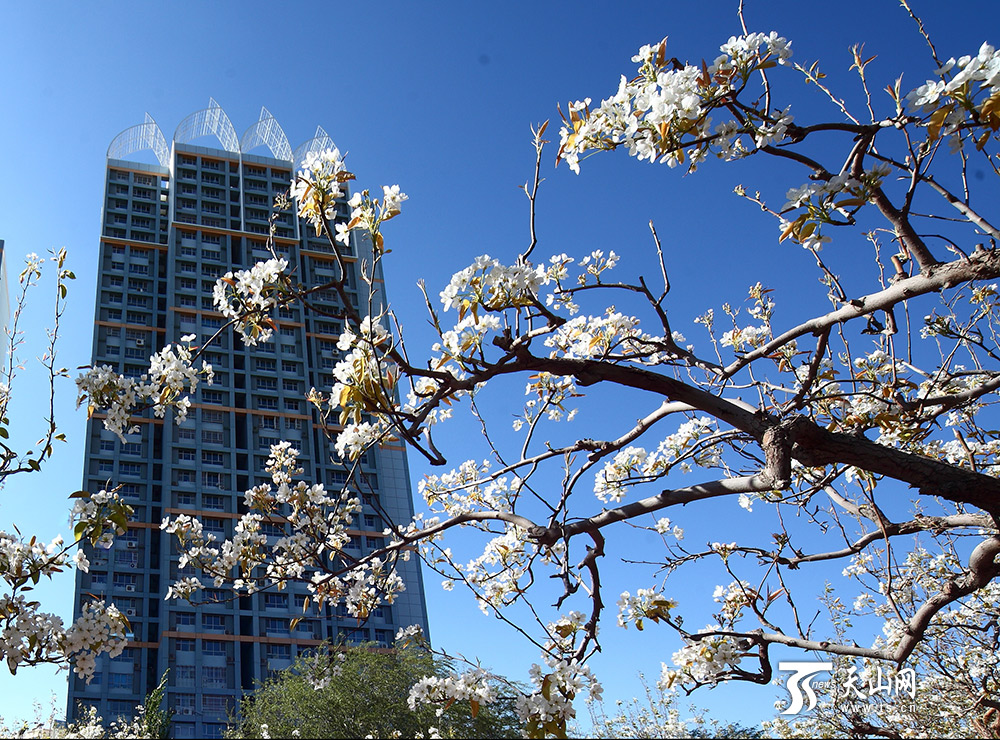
(437, 98)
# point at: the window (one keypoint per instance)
(119, 708)
(130, 469)
(268, 422)
(275, 601)
(185, 476)
(279, 652)
(185, 675)
(276, 626)
(185, 499)
(211, 436)
(290, 386)
(185, 702)
(215, 526)
(185, 434)
(264, 363)
(271, 529)
(213, 647)
(185, 619)
(213, 480)
(267, 384)
(214, 677)
(213, 622)
(132, 448)
(120, 681)
(125, 656)
(214, 503)
(212, 458)
(212, 397)
(211, 417)
(292, 368)
(130, 490)
(267, 403)
(183, 645)
(107, 445)
(185, 455)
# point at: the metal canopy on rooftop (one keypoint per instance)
(268, 132)
(146, 135)
(211, 120)
(320, 142)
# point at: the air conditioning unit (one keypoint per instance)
(133, 565)
(129, 587)
(130, 612)
(185, 710)
(140, 342)
(131, 544)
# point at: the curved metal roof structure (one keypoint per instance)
(211, 120)
(320, 142)
(267, 131)
(146, 135)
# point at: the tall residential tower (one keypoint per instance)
(169, 231)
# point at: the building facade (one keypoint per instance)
(169, 230)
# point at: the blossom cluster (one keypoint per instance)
(318, 186)
(319, 532)
(468, 488)
(248, 296)
(648, 603)
(492, 286)
(471, 686)
(552, 392)
(118, 396)
(953, 100)
(98, 518)
(663, 114)
(600, 337)
(633, 465)
(703, 660)
(99, 629)
(825, 201)
(365, 382)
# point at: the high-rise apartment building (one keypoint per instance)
(169, 230)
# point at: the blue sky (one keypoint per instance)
(437, 98)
